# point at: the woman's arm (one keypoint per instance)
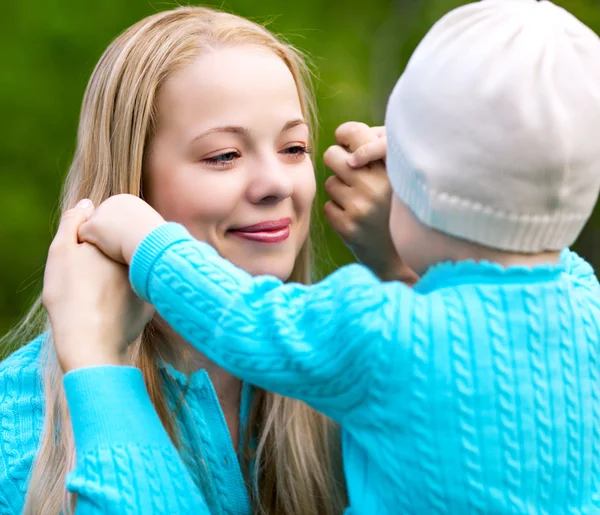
(126, 462)
(327, 344)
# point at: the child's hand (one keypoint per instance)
(119, 225)
(360, 203)
(370, 152)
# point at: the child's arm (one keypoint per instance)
(327, 344)
(126, 462)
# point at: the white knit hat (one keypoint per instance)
(494, 127)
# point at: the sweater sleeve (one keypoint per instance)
(125, 461)
(326, 344)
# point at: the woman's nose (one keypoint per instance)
(271, 182)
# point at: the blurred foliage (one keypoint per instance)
(48, 50)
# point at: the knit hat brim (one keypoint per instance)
(462, 218)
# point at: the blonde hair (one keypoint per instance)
(297, 466)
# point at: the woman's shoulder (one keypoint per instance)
(26, 359)
(21, 421)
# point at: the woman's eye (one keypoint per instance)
(297, 151)
(223, 160)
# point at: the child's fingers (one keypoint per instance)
(336, 159)
(338, 191)
(369, 152)
(379, 131)
(338, 220)
(84, 233)
(88, 231)
(353, 135)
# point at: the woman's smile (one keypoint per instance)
(270, 231)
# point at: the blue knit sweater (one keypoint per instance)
(126, 463)
(476, 392)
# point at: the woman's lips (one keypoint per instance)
(271, 231)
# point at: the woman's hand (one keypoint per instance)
(119, 225)
(93, 311)
(361, 194)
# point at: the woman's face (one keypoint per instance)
(229, 158)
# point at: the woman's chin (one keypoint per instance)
(280, 268)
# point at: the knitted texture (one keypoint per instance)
(126, 463)
(473, 393)
(491, 127)
(125, 460)
(21, 421)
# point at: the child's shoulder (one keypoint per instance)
(581, 274)
(575, 265)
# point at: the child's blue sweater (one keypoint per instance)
(476, 392)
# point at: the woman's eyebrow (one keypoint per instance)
(293, 123)
(243, 131)
(231, 129)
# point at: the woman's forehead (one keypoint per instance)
(226, 86)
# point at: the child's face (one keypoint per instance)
(230, 153)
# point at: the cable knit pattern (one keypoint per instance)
(21, 421)
(122, 447)
(140, 488)
(126, 463)
(470, 394)
(464, 394)
(572, 409)
(205, 318)
(541, 398)
(493, 303)
(592, 328)
(420, 414)
(212, 462)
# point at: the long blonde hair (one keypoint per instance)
(297, 465)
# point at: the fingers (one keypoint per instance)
(85, 234)
(70, 222)
(339, 220)
(336, 159)
(379, 131)
(373, 151)
(353, 135)
(366, 144)
(339, 192)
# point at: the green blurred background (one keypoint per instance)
(49, 48)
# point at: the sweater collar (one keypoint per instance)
(199, 382)
(450, 274)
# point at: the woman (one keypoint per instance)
(210, 118)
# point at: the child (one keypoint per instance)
(477, 391)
